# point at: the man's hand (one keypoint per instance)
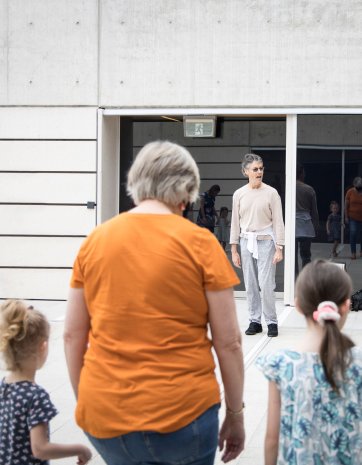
(278, 256)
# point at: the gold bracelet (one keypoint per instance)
(237, 412)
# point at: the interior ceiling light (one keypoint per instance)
(171, 119)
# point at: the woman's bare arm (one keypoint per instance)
(42, 449)
(226, 339)
(346, 209)
(76, 330)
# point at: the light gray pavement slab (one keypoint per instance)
(53, 377)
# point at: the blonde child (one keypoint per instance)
(333, 227)
(25, 407)
(315, 392)
(223, 231)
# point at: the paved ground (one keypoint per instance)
(54, 378)
(319, 250)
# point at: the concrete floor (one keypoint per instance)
(318, 250)
(53, 377)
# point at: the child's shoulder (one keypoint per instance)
(23, 392)
(357, 354)
(278, 364)
(354, 370)
(282, 354)
(23, 387)
(286, 367)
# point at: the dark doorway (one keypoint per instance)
(219, 158)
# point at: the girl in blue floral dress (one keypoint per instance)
(25, 407)
(333, 226)
(315, 393)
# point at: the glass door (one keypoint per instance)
(320, 172)
(330, 154)
(353, 226)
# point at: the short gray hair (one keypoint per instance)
(248, 159)
(164, 171)
(357, 182)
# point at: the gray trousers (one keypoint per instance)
(259, 273)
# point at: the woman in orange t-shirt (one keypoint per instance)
(145, 287)
(353, 215)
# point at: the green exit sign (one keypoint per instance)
(199, 126)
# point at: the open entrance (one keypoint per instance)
(328, 145)
(218, 158)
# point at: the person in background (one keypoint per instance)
(353, 215)
(306, 219)
(315, 389)
(207, 213)
(25, 407)
(146, 286)
(333, 227)
(223, 223)
(189, 211)
(257, 224)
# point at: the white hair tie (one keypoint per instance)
(326, 311)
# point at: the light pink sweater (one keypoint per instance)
(256, 209)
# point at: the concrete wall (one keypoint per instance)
(232, 52)
(48, 161)
(181, 53)
(49, 52)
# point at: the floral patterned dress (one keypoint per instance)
(317, 425)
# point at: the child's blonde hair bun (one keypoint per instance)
(21, 330)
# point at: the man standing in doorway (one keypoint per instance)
(306, 219)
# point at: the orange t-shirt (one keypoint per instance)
(149, 364)
(354, 204)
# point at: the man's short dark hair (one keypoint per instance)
(300, 170)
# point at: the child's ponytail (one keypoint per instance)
(21, 330)
(335, 353)
(323, 283)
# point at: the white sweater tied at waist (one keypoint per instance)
(252, 238)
